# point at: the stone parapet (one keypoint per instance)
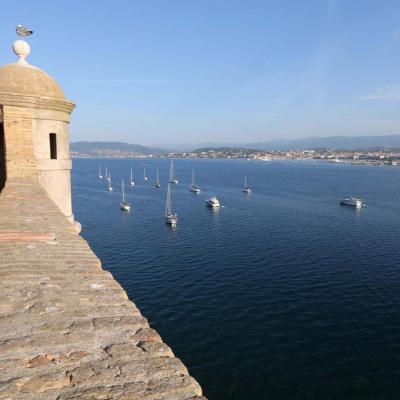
(67, 328)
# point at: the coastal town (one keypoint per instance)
(375, 157)
(370, 157)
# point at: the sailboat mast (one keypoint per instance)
(168, 205)
(123, 191)
(157, 176)
(245, 181)
(192, 177)
(131, 174)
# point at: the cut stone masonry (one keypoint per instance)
(67, 328)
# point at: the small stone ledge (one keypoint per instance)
(67, 328)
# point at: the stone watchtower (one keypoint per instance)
(34, 121)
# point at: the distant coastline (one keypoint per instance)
(359, 158)
(116, 150)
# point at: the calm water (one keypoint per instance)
(282, 294)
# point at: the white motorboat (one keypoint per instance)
(246, 188)
(124, 205)
(170, 217)
(352, 202)
(172, 178)
(213, 202)
(194, 188)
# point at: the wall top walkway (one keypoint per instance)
(67, 328)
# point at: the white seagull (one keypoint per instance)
(23, 31)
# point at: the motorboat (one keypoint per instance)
(213, 202)
(352, 202)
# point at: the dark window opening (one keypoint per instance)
(53, 146)
(2, 158)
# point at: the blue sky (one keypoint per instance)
(189, 71)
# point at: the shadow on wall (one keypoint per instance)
(2, 158)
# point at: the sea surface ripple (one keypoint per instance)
(281, 294)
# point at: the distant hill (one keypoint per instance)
(120, 149)
(332, 142)
(112, 149)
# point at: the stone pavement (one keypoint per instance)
(67, 328)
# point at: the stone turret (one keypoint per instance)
(34, 122)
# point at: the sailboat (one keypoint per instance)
(158, 184)
(172, 178)
(109, 188)
(246, 189)
(145, 178)
(170, 217)
(132, 182)
(124, 205)
(100, 175)
(194, 188)
(108, 177)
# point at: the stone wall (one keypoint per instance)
(67, 328)
(20, 159)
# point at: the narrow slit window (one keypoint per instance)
(53, 146)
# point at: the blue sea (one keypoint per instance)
(281, 294)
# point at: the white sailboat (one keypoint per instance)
(194, 188)
(100, 175)
(109, 188)
(172, 178)
(170, 217)
(145, 178)
(158, 184)
(124, 205)
(131, 182)
(246, 188)
(108, 177)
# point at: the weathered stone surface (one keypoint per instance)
(67, 328)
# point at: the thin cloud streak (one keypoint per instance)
(391, 92)
(173, 81)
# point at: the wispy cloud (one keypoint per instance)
(163, 81)
(390, 92)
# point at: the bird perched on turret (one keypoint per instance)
(23, 31)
